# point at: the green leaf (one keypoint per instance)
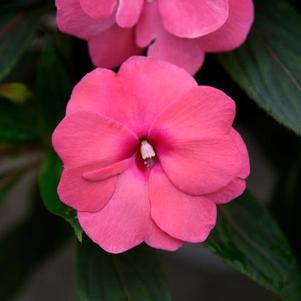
(24, 247)
(268, 66)
(49, 176)
(15, 92)
(16, 31)
(248, 238)
(18, 123)
(53, 86)
(132, 276)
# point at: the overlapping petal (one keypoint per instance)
(151, 86)
(185, 53)
(131, 97)
(113, 46)
(193, 18)
(129, 12)
(71, 19)
(125, 221)
(81, 194)
(98, 9)
(181, 215)
(234, 32)
(85, 137)
(238, 185)
(194, 142)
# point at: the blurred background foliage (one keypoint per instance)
(39, 66)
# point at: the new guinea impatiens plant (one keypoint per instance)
(178, 31)
(148, 155)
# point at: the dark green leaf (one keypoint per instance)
(16, 31)
(18, 123)
(48, 180)
(26, 246)
(268, 66)
(132, 276)
(248, 238)
(53, 86)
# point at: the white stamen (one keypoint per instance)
(148, 154)
(146, 150)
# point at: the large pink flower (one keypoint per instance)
(147, 155)
(179, 31)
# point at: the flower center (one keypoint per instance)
(147, 153)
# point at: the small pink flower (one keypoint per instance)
(148, 154)
(178, 31)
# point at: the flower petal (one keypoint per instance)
(185, 53)
(85, 137)
(238, 185)
(234, 32)
(112, 95)
(228, 193)
(72, 20)
(104, 173)
(129, 12)
(79, 193)
(95, 91)
(125, 222)
(245, 169)
(158, 239)
(112, 47)
(181, 215)
(98, 9)
(202, 166)
(148, 25)
(193, 18)
(194, 143)
(151, 86)
(204, 112)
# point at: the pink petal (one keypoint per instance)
(129, 12)
(85, 137)
(158, 239)
(104, 173)
(112, 47)
(181, 215)
(194, 143)
(204, 112)
(72, 20)
(185, 53)
(79, 193)
(245, 169)
(98, 9)
(234, 32)
(151, 86)
(193, 18)
(97, 92)
(203, 166)
(238, 185)
(148, 25)
(125, 222)
(131, 97)
(228, 193)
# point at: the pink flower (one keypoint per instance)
(178, 31)
(148, 154)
